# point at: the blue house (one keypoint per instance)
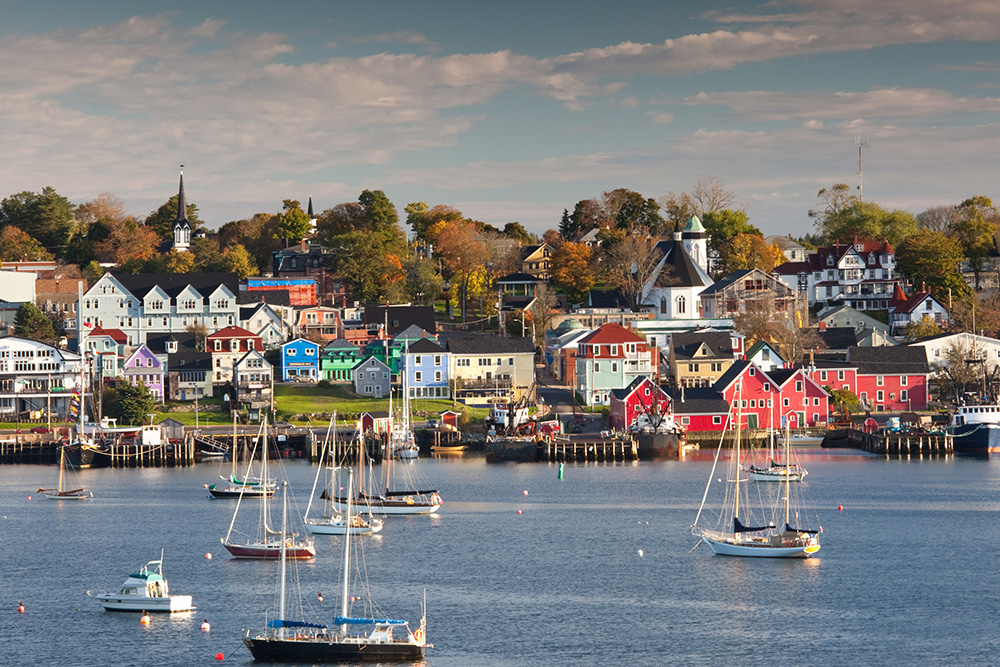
(300, 360)
(426, 364)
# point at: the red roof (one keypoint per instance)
(116, 335)
(233, 332)
(915, 300)
(611, 333)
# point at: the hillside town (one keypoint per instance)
(630, 302)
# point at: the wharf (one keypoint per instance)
(15, 450)
(561, 449)
(900, 444)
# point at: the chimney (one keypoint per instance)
(822, 325)
(303, 245)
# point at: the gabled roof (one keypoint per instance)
(635, 385)
(425, 346)
(517, 278)
(838, 338)
(233, 332)
(116, 335)
(299, 340)
(186, 342)
(255, 353)
(366, 360)
(898, 360)
(341, 344)
(611, 334)
(412, 332)
(677, 268)
(760, 345)
(719, 344)
(172, 283)
(698, 400)
(914, 301)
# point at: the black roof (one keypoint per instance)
(425, 346)
(157, 343)
(172, 283)
(401, 317)
(839, 338)
(781, 375)
(609, 298)
(728, 280)
(679, 269)
(518, 278)
(686, 344)
(895, 360)
(272, 297)
(489, 345)
(731, 374)
(698, 400)
(189, 361)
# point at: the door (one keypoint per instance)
(752, 420)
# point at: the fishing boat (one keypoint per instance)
(975, 429)
(246, 485)
(326, 521)
(755, 519)
(351, 638)
(265, 542)
(60, 493)
(146, 590)
(774, 471)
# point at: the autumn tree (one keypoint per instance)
(754, 323)
(236, 259)
(423, 282)
(541, 311)
(46, 216)
(933, 258)
(16, 245)
(793, 341)
(257, 234)
(724, 224)
(749, 251)
(462, 251)
(978, 312)
(588, 214)
(422, 218)
(571, 270)
(925, 327)
(129, 245)
(631, 266)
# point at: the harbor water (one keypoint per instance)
(595, 566)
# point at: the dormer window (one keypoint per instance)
(171, 346)
(829, 260)
(871, 258)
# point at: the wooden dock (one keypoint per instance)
(603, 449)
(890, 444)
(27, 450)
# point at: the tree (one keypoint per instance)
(975, 225)
(631, 265)
(866, 221)
(632, 212)
(792, 340)
(963, 371)
(129, 244)
(833, 201)
(46, 216)
(176, 261)
(257, 234)
(423, 282)
(516, 231)
(378, 210)
(130, 403)
(30, 322)
(937, 218)
(200, 332)
(571, 271)
(568, 227)
(589, 214)
(293, 223)
(933, 258)
(842, 399)
(749, 251)
(206, 254)
(978, 312)
(161, 221)
(754, 323)
(925, 327)
(708, 195)
(236, 259)
(462, 250)
(540, 312)
(724, 224)
(16, 245)
(421, 219)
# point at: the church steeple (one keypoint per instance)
(310, 211)
(182, 227)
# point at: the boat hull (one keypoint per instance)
(82, 457)
(236, 492)
(385, 507)
(723, 547)
(170, 605)
(313, 650)
(328, 527)
(270, 551)
(981, 438)
(66, 495)
(775, 475)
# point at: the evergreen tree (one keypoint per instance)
(30, 322)
(130, 403)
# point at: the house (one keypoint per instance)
(187, 365)
(263, 320)
(536, 260)
(142, 365)
(108, 349)
(560, 353)
(254, 381)
(485, 367)
(371, 377)
(518, 284)
(611, 358)
(891, 379)
(792, 250)
(860, 274)
(300, 361)
(375, 422)
(965, 344)
(733, 294)
(426, 365)
(845, 316)
(312, 262)
(397, 317)
(319, 323)
(36, 378)
(338, 359)
(155, 303)
(837, 339)
(910, 310)
(699, 358)
(636, 403)
(755, 391)
(295, 291)
(765, 355)
(804, 403)
(699, 409)
(226, 346)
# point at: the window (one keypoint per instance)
(879, 380)
(461, 362)
(904, 395)
(822, 376)
(880, 396)
(489, 362)
(437, 376)
(416, 360)
(218, 346)
(681, 305)
(784, 402)
(614, 350)
(290, 352)
(815, 401)
(310, 351)
(765, 354)
(597, 367)
(752, 371)
(418, 376)
(234, 345)
(798, 385)
(716, 419)
(840, 375)
(663, 305)
(510, 362)
(767, 386)
(902, 380)
(614, 366)
(437, 359)
(753, 402)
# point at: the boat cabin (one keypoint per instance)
(976, 414)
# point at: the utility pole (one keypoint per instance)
(862, 142)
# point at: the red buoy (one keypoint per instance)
(219, 656)
(840, 507)
(519, 511)
(20, 607)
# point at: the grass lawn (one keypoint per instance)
(295, 400)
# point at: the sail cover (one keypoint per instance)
(738, 527)
(279, 623)
(351, 620)
(789, 529)
(410, 493)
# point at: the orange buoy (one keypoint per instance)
(205, 626)
(319, 597)
(208, 556)
(219, 656)
(20, 607)
(525, 492)
(519, 511)
(145, 618)
(204, 486)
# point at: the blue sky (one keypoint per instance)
(507, 111)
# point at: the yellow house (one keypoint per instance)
(699, 358)
(537, 261)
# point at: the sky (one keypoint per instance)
(507, 111)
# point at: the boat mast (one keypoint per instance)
(788, 473)
(284, 560)
(234, 449)
(739, 432)
(347, 554)
(62, 465)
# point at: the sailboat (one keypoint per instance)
(355, 639)
(59, 493)
(266, 543)
(329, 522)
(402, 444)
(247, 486)
(777, 472)
(746, 530)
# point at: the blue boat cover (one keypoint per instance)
(350, 620)
(279, 623)
(738, 527)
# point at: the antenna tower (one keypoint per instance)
(862, 142)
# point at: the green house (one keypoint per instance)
(337, 359)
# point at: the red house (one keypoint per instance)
(641, 399)
(803, 402)
(700, 409)
(891, 379)
(759, 394)
(375, 422)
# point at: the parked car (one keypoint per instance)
(41, 429)
(433, 423)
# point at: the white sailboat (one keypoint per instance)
(774, 471)
(402, 444)
(355, 638)
(747, 529)
(326, 521)
(59, 493)
(246, 485)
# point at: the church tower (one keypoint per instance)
(182, 228)
(695, 240)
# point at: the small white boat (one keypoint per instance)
(146, 590)
(59, 493)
